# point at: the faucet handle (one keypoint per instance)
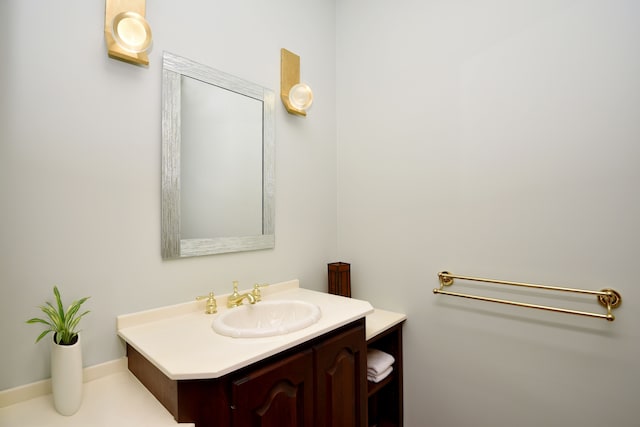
(235, 288)
(212, 306)
(256, 291)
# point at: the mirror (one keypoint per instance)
(217, 161)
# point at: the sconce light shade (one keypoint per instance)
(131, 31)
(301, 96)
(296, 97)
(126, 32)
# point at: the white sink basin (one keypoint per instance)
(266, 319)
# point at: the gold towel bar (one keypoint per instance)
(609, 298)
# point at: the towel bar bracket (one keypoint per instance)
(612, 298)
(445, 279)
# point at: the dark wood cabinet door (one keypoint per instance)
(341, 380)
(278, 395)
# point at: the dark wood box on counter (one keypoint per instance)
(340, 279)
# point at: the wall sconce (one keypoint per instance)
(296, 97)
(126, 32)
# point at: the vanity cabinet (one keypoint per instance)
(320, 383)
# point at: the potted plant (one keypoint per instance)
(66, 352)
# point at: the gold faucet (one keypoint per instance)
(212, 306)
(235, 299)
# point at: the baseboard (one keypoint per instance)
(40, 388)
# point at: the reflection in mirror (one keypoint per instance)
(217, 161)
(219, 198)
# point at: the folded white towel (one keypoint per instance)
(379, 377)
(378, 361)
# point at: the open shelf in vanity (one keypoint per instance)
(385, 399)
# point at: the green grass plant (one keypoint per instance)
(62, 323)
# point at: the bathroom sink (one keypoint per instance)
(266, 319)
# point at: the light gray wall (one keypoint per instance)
(499, 139)
(80, 163)
(489, 138)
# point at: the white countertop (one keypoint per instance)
(381, 320)
(180, 341)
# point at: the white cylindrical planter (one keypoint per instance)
(66, 377)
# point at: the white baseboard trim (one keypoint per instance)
(40, 388)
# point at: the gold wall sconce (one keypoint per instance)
(126, 31)
(296, 97)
